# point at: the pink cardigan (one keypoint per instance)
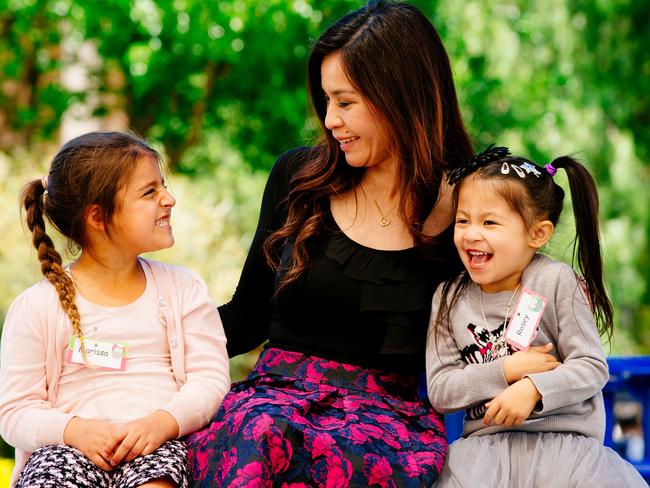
(35, 336)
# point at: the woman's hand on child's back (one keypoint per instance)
(536, 360)
(513, 405)
(90, 437)
(141, 436)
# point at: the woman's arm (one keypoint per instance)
(247, 316)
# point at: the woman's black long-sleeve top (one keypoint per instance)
(354, 304)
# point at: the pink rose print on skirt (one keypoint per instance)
(415, 463)
(253, 475)
(279, 450)
(319, 443)
(258, 427)
(354, 427)
(378, 471)
(333, 471)
(229, 460)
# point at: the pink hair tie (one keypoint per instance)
(550, 169)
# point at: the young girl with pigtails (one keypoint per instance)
(515, 339)
(113, 357)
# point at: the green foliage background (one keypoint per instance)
(219, 87)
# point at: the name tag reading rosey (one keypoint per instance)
(525, 319)
(99, 354)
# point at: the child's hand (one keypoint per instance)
(141, 437)
(90, 437)
(536, 360)
(513, 405)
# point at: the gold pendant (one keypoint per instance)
(384, 221)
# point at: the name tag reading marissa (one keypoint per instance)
(99, 354)
(525, 319)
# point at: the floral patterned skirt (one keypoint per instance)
(300, 421)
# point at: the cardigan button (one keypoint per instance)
(162, 302)
(173, 343)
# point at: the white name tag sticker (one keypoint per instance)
(525, 319)
(99, 354)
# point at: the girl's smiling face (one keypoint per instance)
(142, 220)
(361, 133)
(493, 241)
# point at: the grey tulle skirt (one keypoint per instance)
(535, 459)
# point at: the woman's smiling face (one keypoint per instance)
(362, 135)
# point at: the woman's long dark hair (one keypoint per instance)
(395, 59)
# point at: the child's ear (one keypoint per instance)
(540, 233)
(95, 217)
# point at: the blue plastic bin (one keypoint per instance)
(629, 377)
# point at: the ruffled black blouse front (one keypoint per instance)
(355, 304)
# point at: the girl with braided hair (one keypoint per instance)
(113, 357)
(514, 339)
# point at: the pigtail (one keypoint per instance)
(34, 198)
(586, 249)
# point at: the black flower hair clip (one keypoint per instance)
(478, 161)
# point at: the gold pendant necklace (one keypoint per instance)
(384, 221)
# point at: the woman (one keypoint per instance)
(341, 272)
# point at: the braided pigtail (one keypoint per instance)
(34, 198)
